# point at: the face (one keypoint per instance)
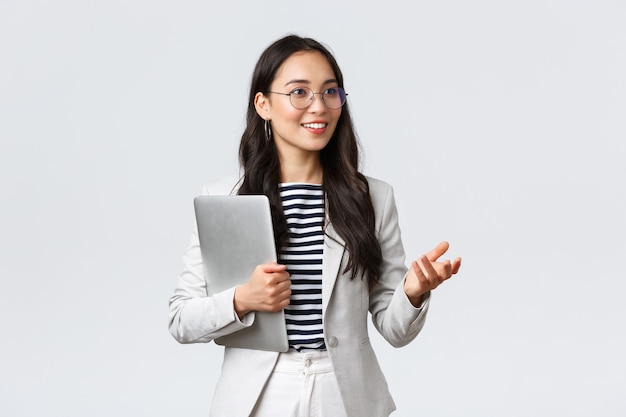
(299, 133)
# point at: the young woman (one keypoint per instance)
(340, 254)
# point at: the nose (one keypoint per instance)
(317, 104)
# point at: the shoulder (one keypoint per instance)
(227, 185)
(379, 190)
(383, 201)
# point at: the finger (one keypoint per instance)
(278, 291)
(273, 267)
(283, 285)
(443, 271)
(456, 264)
(434, 278)
(446, 270)
(283, 303)
(282, 297)
(286, 294)
(282, 277)
(439, 250)
(425, 273)
(425, 282)
(418, 272)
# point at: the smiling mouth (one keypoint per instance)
(315, 125)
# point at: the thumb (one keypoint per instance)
(439, 250)
(273, 267)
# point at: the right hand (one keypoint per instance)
(268, 289)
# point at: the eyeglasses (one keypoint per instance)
(302, 97)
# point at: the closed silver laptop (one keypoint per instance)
(236, 235)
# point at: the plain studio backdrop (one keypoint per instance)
(501, 125)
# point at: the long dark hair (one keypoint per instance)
(346, 191)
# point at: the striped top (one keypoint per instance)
(304, 210)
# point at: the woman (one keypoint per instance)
(340, 254)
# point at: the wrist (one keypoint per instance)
(239, 305)
(415, 297)
(416, 301)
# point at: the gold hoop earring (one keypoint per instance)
(268, 131)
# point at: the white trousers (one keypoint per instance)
(303, 384)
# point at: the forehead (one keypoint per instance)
(310, 66)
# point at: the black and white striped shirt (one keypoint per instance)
(303, 205)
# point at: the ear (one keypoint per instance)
(262, 106)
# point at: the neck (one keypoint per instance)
(305, 170)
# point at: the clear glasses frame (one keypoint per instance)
(302, 97)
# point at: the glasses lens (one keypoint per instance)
(301, 98)
(334, 97)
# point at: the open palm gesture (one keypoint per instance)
(426, 273)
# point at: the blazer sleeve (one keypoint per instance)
(393, 315)
(194, 316)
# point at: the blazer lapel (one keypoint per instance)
(334, 248)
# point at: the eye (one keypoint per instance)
(299, 92)
(333, 91)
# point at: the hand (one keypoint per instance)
(427, 273)
(268, 289)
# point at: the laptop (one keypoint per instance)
(236, 235)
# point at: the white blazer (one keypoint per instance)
(194, 317)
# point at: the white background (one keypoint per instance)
(501, 125)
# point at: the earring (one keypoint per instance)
(268, 131)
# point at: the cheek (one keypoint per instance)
(286, 113)
(336, 117)
(293, 115)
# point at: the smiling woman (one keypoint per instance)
(302, 125)
(340, 255)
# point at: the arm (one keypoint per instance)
(393, 314)
(399, 306)
(195, 317)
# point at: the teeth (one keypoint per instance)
(314, 125)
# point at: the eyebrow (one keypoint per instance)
(307, 82)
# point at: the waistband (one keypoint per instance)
(311, 362)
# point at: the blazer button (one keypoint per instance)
(332, 342)
(213, 323)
